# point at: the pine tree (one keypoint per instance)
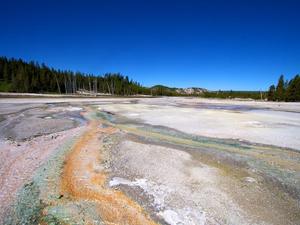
(280, 92)
(297, 88)
(271, 93)
(5, 73)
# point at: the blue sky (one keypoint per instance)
(216, 44)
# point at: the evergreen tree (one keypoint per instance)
(297, 92)
(271, 93)
(5, 73)
(293, 90)
(289, 92)
(280, 91)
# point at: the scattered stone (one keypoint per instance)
(249, 180)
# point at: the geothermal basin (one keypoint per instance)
(149, 161)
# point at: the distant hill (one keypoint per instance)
(191, 91)
(172, 91)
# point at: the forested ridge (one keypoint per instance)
(17, 75)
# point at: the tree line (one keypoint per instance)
(285, 90)
(257, 95)
(17, 75)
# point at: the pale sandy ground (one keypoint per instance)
(181, 194)
(28, 137)
(184, 188)
(181, 187)
(187, 191)
(188, 101)
(266, 123)
(19, 161)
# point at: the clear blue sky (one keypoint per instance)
(239, 45)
